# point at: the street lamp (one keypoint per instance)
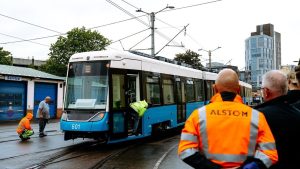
(298, 61)
(209, 54)
(152, 19)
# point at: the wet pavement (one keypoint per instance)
(8, 129)
(53, 152)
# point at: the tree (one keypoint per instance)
(191, 58)
(77, 40)
(5, 57)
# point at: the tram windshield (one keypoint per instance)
(87, 85)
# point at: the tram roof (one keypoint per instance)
(148, 63)
(27, 72)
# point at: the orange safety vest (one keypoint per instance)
(226, 132)
(24, 123)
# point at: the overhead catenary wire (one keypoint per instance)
(141, 21)
(172, 26)
(190, 6)
(95, 27)
(32, 24)
(60, 34)
(125, 11)
(130, 35)
(23, 39)
(200, 45)
(140, 41)
(130, 4)
(172, 39)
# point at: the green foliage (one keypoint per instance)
(5, 57)
(77, 40)
(191, 58)
(54, 68)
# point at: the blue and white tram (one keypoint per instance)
(101, 85)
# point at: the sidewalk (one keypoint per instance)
(8, 129)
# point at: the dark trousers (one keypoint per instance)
(136, 118)
(42, 124)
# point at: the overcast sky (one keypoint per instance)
(226, 23)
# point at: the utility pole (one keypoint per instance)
(152, 18)
(209, 60)
(209, 56)
(152, 27)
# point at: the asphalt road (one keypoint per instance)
(53, 152)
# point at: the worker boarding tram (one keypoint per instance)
(100, 86)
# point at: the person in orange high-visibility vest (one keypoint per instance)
(226, 133)
(24, 129)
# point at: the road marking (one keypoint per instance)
(162, 157)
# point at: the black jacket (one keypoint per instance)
(293, 98)
(284, 121)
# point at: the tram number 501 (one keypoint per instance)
(75, 126)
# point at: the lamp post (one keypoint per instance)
(152, 20)
(298, 61)
(209, 55)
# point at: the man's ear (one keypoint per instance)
(268, 92)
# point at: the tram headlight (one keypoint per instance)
(64, 116)
(98, 117)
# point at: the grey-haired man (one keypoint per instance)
(43, 115)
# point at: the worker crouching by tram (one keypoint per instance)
(226, 133)
(139, 108)
(24, 129)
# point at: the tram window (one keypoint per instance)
(3, 103)
(2, 96)
(18, 103)
(168, 91)
(209, 89)
(190, 91)
(199, 90)
(10, 96)
(153, 90)
(18, 96)
(118, 91)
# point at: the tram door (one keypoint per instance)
(133, 95)
(125, 90)
(181, 100)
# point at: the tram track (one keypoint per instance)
(117, 159)
(94, 155)
(62, 153)
(100, 163)
(18, 139)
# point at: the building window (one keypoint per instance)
(261, 42)
(153, 90)
(253, 43)
(168, 91)
(261, 63)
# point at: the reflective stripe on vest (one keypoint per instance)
(264, 158)
(189, 137)
(267, 146)
(228, 157)
(253, 132)
(188, 152)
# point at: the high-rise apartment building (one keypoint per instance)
(263, 53)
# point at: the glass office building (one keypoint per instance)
(263, 53)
